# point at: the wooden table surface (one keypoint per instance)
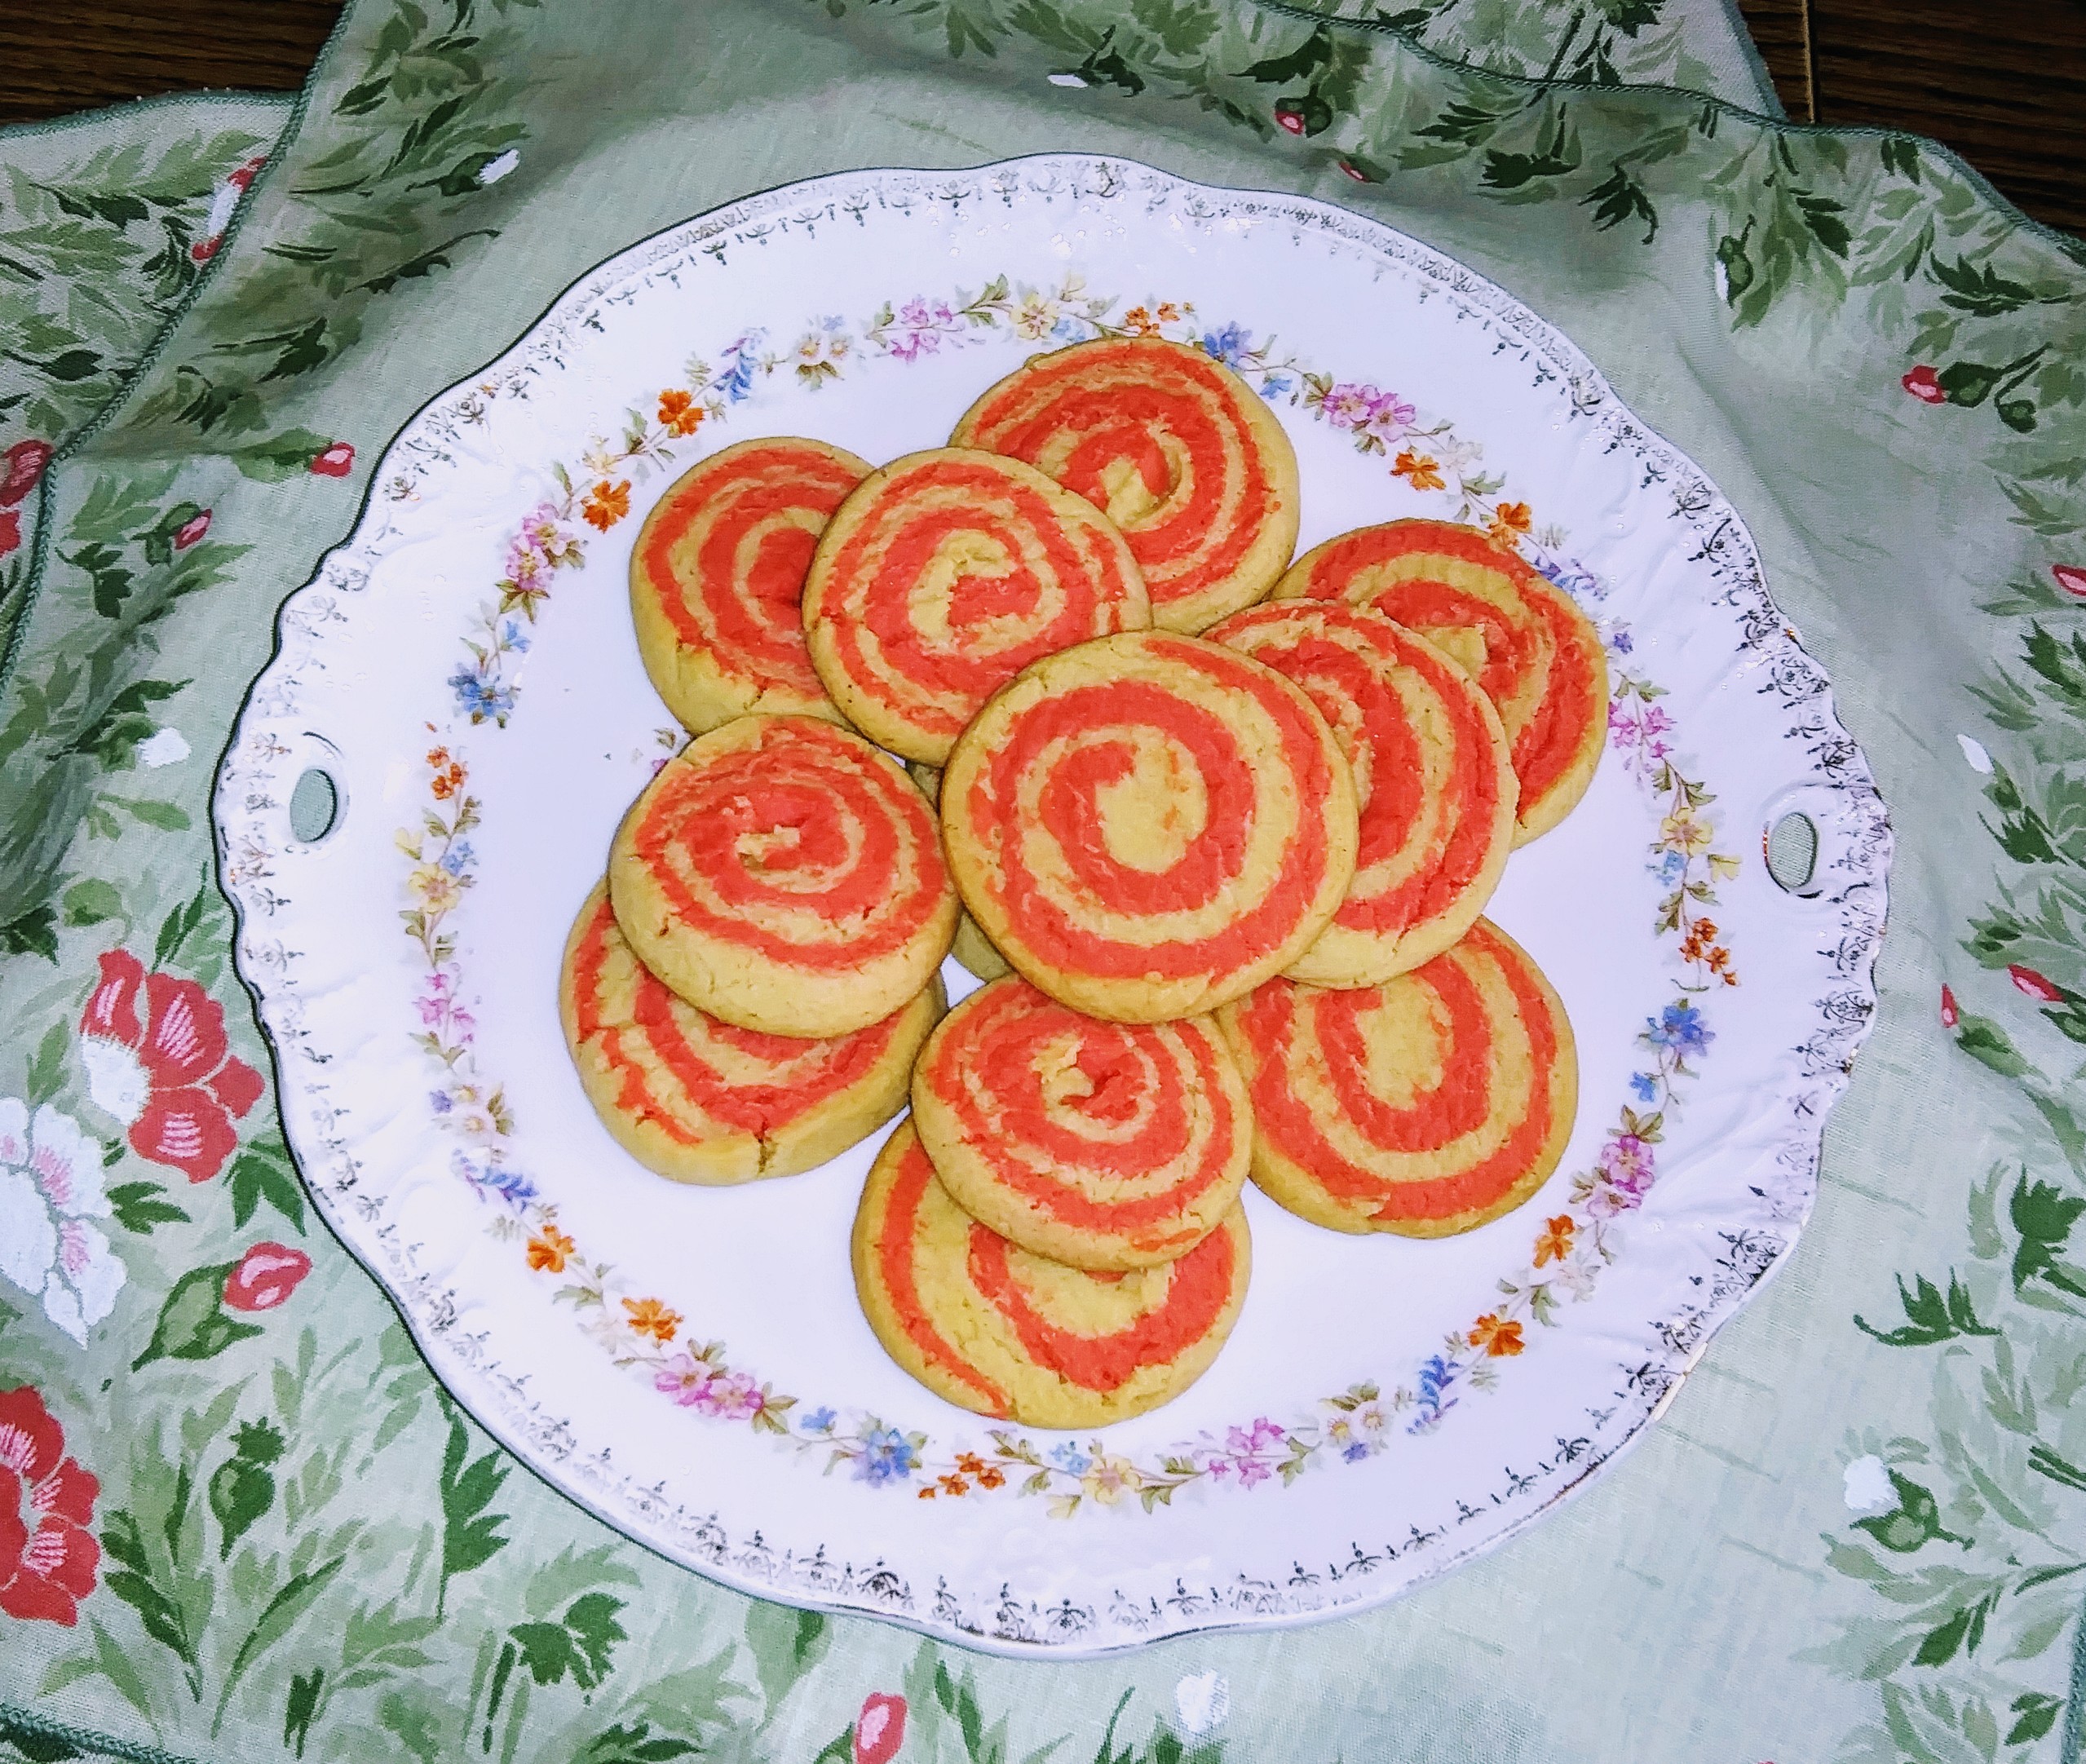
(2003, 82)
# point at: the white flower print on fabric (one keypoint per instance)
(1865, 1486)
(50, 1188)
(163, 747)
(1205, 1701)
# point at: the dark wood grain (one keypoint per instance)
(1782, 30)
(2002, 82)
(74, 54)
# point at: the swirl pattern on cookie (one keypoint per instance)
(1187, 459)
(1432, 776)
(1424, 1106)
(1148, 825)
(783, 875)
(943, 577)
(1102, 1145)
(717, 580)
(994, 1329)
(702, 1101)
(1537, 657)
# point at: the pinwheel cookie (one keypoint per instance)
(1424, 1106)
(717, 580)
(1187, 459)
(1103, 1145)
(783, 875)
(994, 1329)
(1432, 776)
(1148, 825)
(944, 576)
(703, 1102)
(1537, 657)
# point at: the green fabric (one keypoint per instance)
(303, 1550)
(105, 226)
(1703, 46)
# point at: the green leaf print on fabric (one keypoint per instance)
(1802, 218)
(1915, 1521)
(470, 1535)
(582, 1642)
(786, 1644)
(429, 125)
(1971, 1647)
(193, 1324)
(243, 1486)
(136, 218)
(106, 224)
(1607, 42)
(1930, 1317)
(85, 715)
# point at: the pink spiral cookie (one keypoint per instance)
(703, 1102)
(1148, 825)
(1535, 655)
(1432, 774)
(944, 575)
(1425, 1106)
(1100, 1145)
(1187, 459)
(992, 1328)
(783, 875)
(717, 580)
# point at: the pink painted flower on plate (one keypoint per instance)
(543, 531)
(684, 1378)
(1925, 384)
(1261, 1436)
(729, 1396)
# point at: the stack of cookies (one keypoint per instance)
(1217, 829)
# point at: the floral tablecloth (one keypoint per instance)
(239, 1519)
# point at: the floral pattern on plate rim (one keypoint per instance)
(647, 1335)
(258, 859)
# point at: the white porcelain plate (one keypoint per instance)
(692, 1364)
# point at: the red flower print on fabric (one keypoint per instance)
(157, 1058)
(21, 465)
(48, 1555)
(267, 1274)
(2038, 987)
(880, 1729)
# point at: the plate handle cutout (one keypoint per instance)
(315, 806)
(1791, 845)
(1812, 837)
